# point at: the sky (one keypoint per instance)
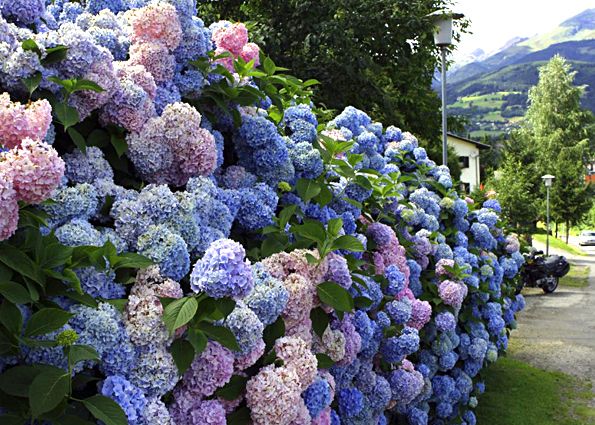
(494, 22)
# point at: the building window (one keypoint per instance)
(464, 161)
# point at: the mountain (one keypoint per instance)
(492, 92)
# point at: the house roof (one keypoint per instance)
(475, 142)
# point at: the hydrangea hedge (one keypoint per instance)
(186, 239)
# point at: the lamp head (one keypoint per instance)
(548, 179)
(443, 20)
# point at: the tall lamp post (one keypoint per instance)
(443, 39)
(548, 179)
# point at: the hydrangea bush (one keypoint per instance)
(187, 239)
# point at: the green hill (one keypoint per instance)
(492, 93)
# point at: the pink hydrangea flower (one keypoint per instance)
(155, 57)
(9, 213)
(231, 37)
(18, 121)
(296, 353)
(157, 22)
(421, 313)
(172, 148)
(301, 299)
(209, 371)
(273, 395)
(441, 264)
(452, 293)
(36, 170)
(251, 51)
(324, 418)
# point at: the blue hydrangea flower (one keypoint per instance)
(223, 271)
(351, 402)
(167, 249)
(131, 399)
(268, 298)
(317, 397)
(245, 326)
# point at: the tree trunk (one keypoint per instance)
(567, 230)
(556, 229)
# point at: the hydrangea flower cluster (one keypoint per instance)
(192, 194)
(232, 38)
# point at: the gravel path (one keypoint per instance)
(557, 331)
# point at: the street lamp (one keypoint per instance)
(443, 39)
(548, 179)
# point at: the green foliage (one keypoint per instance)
(34, 268)
(338, 42)
(553, 139)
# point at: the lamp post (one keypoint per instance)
(548, 179)
(443, 39)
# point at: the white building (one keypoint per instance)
(468, 152)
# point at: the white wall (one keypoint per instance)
(468, 175)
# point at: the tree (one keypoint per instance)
(376, 55)
(559, 130)
(517, 184)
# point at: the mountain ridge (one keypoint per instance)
(492, 93)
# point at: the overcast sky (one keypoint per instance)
(494, 22)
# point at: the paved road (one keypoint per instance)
(557, 331)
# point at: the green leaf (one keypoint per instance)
(324, 361)
(119, 144)
(17, 380)
(311, 230)
(179, 312)
(32, 82)
(325, 196)
(66, 115)
(47, 390)
(106, 410)
(220, 334)
(233, 389)
(87, 85)
(348, 243)
(334, 226)
(362, 302)
(80, 353)
(71, 277)
(239, 416)
(54, 254)
(14, 292)
(320, 320)
(269, 66)
(307, 189)
(77, 139)
(12, 419)
(11, 317)
(183, 353)
(30, 45)
(286, 214)
(273, 244)
(54, 54)
(99, 138)
(46, 320)
(273, 332)
(131, 260)
(20, 262)
(5, 272)
(198, 340)
(335, 296)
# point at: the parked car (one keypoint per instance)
(587, 237)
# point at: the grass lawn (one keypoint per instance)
(519, 394)
(577, 277)
(557, 243)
